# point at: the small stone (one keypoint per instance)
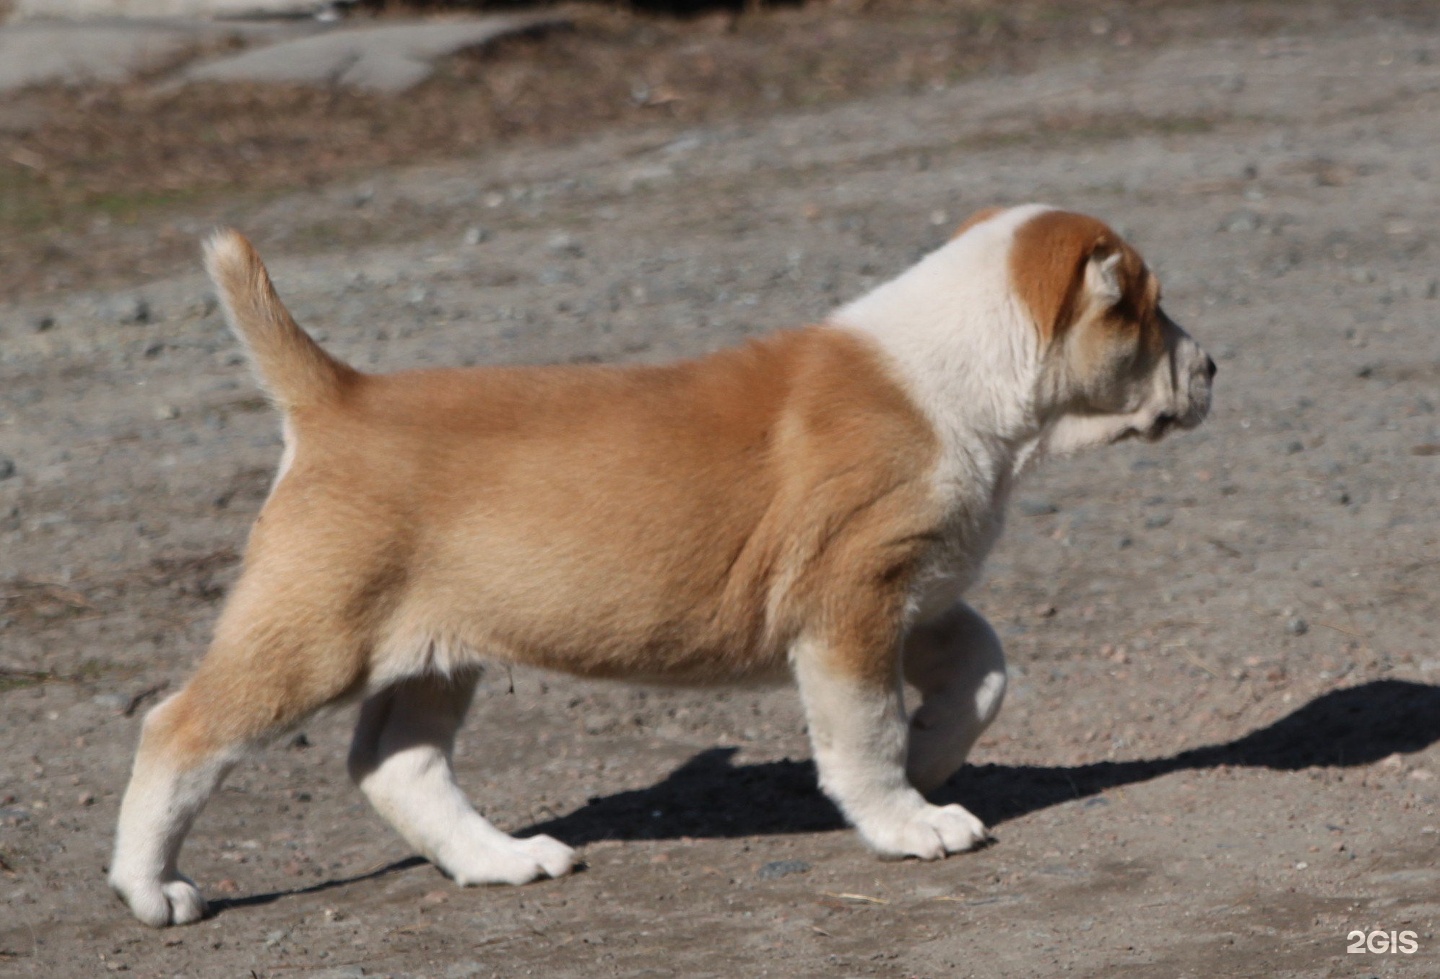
(1240, 221)
(166, 412)
(110, 701)
(300, 740)
(226, 886)
(275, 937)
(42, 323)
(563, 244)
(1124, 542)
(1297, 626)
(86, 798)
(1156, 521)
(130, 309)
(1421, 775)
(776, 869)
(475, 235)
(1294, 447)
(1036, 508)
(7, 467)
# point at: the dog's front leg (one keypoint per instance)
(858, 731)
(958, 665)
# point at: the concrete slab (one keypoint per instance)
(388, 58)
(83, 10)
(57, 52)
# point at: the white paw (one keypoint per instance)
(161, 903)
(511, 862)
(557, 858)
(928, 833)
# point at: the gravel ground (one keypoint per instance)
(1218, 756)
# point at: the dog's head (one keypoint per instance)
(1113, 364)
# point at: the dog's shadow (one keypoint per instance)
(709, 796)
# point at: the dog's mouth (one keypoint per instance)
(1160, 427)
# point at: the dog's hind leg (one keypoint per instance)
(400, 758)
(257, 681)
(958, 665)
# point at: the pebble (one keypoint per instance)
(130, 309)
(1294, 447)
(563, 244)
(1240, 221)
(7, 467)
(474, 236)
(776, 869)
(1156, 521)
(42, 323)
(1297, 626)
(110, 701)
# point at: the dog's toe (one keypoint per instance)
(160, 904)
(928, 834)
(555, 857)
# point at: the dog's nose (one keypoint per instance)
(1210, 368)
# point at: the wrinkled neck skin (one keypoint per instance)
(969, 355)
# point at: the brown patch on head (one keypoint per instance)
(1048, 261)
(979, 217)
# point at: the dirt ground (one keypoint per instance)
(1218, 756)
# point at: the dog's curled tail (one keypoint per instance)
(292, 367)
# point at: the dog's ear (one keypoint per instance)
(1102, 275)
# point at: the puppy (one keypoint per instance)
(815, 503)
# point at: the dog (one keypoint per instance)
(815, 503)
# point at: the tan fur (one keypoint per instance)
(680, 522)
(1047, 262)
(786, 504)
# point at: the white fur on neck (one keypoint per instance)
(965, 349)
